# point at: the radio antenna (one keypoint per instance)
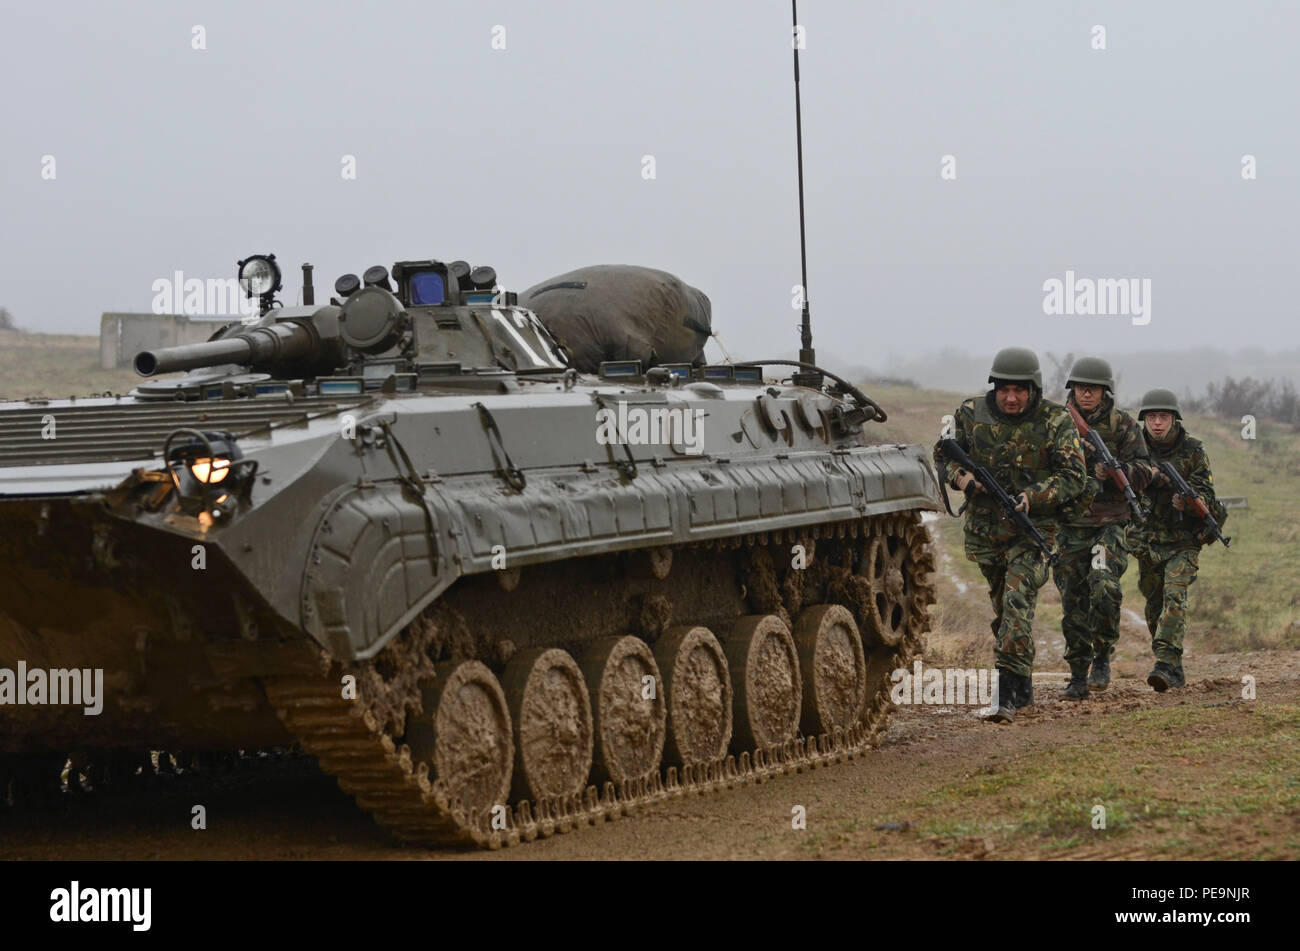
(807, 354)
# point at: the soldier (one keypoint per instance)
(1030, 446)
(1088, 577)
(1168, 545)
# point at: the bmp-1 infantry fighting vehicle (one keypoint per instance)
(495, 597)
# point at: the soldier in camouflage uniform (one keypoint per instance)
(1087, 577)
(1030, 446)
(1168, 545)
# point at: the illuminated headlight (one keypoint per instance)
(259, 275)
(211, 471)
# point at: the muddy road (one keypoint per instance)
(1197, 773)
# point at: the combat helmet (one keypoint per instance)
(1160, 400)
(1016, 365)
(1091, 370)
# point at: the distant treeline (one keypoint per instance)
(874, 380)
(7, 320)
(1185, 371)
(1263, 399)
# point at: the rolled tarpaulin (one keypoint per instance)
(623, 312)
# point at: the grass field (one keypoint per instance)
(56, 366)
(1167, 792)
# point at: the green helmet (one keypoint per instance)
(1160, 400)
(1016, 364)
(1091, 370)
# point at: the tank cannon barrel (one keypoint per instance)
(289, 342)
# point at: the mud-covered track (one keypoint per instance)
(408, 799)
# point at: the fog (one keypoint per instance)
(1132, 161)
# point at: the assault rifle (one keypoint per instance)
(1194, 501)
(1006, 503)
(1108, 461)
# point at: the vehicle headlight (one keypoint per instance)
(211, 471)
(259, 275)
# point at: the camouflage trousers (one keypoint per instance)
(1090, 593)
(1163, 578)
(1015, 571)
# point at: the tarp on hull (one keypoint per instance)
(623, 312)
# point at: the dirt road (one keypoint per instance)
(1197, 773)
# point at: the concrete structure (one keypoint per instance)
(122, 336)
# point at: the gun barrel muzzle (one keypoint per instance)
(188, 357)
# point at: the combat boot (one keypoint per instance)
(1163, 676)
(1008, 697)
(1025, 693)
(1099, 679)
(1078, 687)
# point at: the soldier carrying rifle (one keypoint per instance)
(1028, 451)
(1094, 550)
(1185, 515)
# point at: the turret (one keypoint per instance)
(426, 319)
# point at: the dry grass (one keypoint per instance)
(56, 366)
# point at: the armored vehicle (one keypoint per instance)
(496, 597)
(493, 596)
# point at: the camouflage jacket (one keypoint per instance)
(1037, 452)
(1122, 435)
(1164, 529)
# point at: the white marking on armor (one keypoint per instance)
(537, 361)
(526, 318)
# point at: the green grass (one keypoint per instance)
(1176, 789)
(1176, 781)
(1246, 597)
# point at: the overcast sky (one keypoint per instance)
(1117, 163)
